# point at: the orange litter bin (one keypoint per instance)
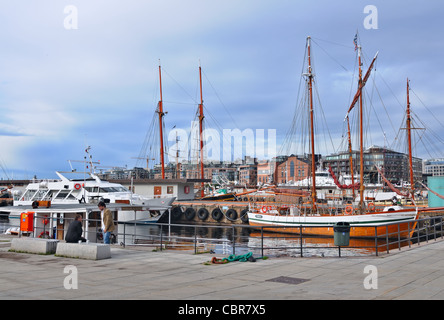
(27, 221)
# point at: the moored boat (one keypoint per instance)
(364, 219)
(89, 190)
(290, 219)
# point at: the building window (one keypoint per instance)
(291, 169)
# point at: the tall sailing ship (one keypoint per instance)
(308, 218)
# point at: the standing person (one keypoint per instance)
(107, 222)
(74, 233)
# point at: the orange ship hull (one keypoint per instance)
(401, 224)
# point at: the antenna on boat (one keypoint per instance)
(85, 161)
(72, 169)
(177, 157)
(92, 168)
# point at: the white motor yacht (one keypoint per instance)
(90, 191)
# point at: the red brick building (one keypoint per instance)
(292, 169)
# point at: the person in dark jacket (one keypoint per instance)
(75, 231)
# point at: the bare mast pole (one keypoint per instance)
(201, 117)
(161, 114)
(361, 138)
(358, 96)
(313, 163)
(350, 157)
(409, 137)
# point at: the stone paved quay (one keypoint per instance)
(415, 273)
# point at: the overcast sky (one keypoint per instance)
(64, 88)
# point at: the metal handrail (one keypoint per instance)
(426, 229)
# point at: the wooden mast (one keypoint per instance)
(313, 163)
(350, 158)
(201, 117)
(409, 137)
(358, 95)
(161, 114)
(361, 138)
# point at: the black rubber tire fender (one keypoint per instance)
(203, 214)
(244, 215)
(190, 213)
(176, 212)
(231, 214)
(217, 214)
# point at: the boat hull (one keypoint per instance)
(381, 224)
(157, 207)
(149, 216)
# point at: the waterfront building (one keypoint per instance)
(289, 169)
(395, 165)
(433, 167)
(264, 172)
(292, 169)
(248, 174)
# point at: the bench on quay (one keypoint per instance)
(34, 245)
(91, 251)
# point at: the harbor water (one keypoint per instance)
(226, 240)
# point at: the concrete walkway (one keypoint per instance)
(416, 273)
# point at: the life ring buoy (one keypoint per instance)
(264, 209)
(348, 210)
(44, 235)
(45, 220)
(371, 207)
(77, 186)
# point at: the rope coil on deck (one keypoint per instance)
(241, 258)
(232, 257)
(219, 261)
